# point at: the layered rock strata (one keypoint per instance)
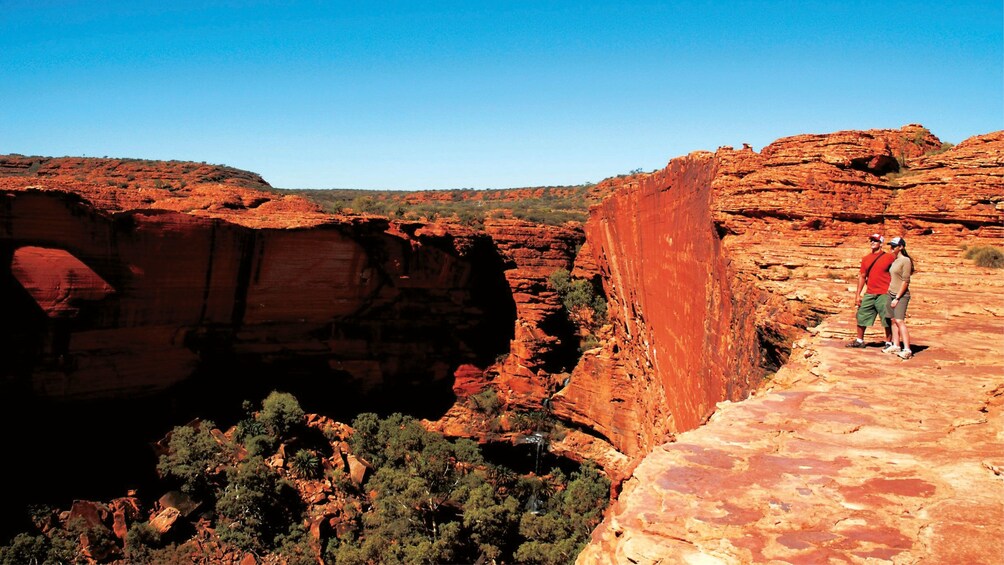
(793, 222)
(709, 263)
(848, 455)
(682, 340)
(135, 301)
(712, 267)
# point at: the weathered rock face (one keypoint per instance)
(682, 339)
(849, 455)
(128, 173)
(709, 264)
(118, 304)
(711, 267)
(793, 222)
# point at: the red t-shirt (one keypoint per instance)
(877, 273)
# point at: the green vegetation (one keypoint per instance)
(256, 506)
(585, 306)
(985, 256)
(427, 499)
(305, 464)
(944, 147)
(192, 459)
(41, 549)
(281, 415)
(486, 402)
(546, 205)
(578, 294)
(438, 501)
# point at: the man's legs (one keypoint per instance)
(871, 306)
(882, 311)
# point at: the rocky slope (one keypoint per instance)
(792, 222)
(849, 455)
(712, 268)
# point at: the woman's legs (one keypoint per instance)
(895, 331)
(903, 334)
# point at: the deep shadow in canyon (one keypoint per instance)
(411, 336)
(99, 449)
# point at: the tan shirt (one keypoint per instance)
(900, 271)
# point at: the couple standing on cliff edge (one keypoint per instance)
(887, 277)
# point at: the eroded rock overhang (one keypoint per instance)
(118, 304)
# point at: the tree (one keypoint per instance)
(254, 508)
(193, 457)
(281, 414)
(559, 534)
(492, 522)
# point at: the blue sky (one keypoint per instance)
(427, 95)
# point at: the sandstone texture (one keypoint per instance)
(849, 456)
(105, 303)
(788, 476)
(722, 270)
(681, 343)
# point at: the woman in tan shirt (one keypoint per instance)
(899, 297)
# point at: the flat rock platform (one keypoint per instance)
(846, 456)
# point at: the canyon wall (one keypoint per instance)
(710, 267)
(103, 303)
(683, 336)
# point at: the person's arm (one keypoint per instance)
(899, 294)
(905, 272)
(861, 285)
(902, 291)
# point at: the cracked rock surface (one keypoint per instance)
(849, 456)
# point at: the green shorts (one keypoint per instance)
(873, 305)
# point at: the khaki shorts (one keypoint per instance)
(873, 305)
(899, 312)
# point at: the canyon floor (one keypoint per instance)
(848, 455)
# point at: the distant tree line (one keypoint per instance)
(548, 205)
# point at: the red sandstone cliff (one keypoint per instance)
(711, 267)
(143, 290)
(707, 263)
(704, 265)
(865, 459)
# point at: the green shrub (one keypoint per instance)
(281, 414)
(486, 402)
(305, 464)
(141, 540)
(254, 510)
(294, 548)
(578, 294)
(985, 256)
(26, 548)
(192, 458)
(533, 421)
(261, 445)
(249, 428)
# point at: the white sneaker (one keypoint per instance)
(905, 354)
(891, 348)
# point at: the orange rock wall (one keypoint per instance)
(682, 338)
(363, 303)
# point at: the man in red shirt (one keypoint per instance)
(875, 274)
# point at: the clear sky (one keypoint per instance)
(482, 94)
